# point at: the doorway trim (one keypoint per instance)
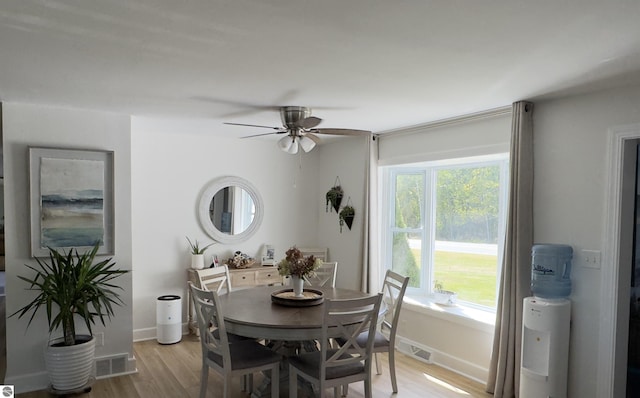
(612, 349)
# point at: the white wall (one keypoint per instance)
(570, 147)
(174, 160)
(344, 158)
(26, 125)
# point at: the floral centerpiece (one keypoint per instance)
(298, 267)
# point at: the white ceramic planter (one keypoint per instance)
(70, 367)
(197, 261)
(445, 297)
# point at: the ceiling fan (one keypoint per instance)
(299, 126)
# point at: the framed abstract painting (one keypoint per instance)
(71, 200)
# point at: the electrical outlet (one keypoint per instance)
(99, 336)
(591, 258)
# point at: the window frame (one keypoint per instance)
(427, 229)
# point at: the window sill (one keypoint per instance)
(465, 315)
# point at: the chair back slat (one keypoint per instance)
(215, 279)
(210, 318)
(394, 288)
(325, 275)
(349, 318)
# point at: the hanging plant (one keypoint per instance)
(347, 215)
(334, 196)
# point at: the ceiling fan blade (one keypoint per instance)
(352, 132)
(254, 125)
(310, 122)
(259, 135)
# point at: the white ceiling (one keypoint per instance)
(364, 64)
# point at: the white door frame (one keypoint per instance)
(614, 288)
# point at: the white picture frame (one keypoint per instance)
(268, 255)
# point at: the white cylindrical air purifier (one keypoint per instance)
(545, 347)
(169, 319)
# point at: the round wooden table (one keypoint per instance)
(251, 313)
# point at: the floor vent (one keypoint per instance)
(107, 366)
(415, 351)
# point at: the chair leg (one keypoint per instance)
(335, 391)
(367, 387)
(345, 390)
(275, 381)
(204, 380)
(392, 370)
(226, 389)
(293, 383)
(375, 355)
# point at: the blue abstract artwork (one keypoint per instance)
(71, 202)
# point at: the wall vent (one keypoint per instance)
(415, 351)
(112, 365)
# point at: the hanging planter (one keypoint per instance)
(347, 215)
(334, 196)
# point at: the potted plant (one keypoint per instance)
(68, 286)
(444, 297)
(197, 253)
(334, 198)
(347, 215)
(298, 267)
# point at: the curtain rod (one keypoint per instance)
(419, 128)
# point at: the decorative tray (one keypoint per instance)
(309, 298)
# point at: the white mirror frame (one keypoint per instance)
(205, 201)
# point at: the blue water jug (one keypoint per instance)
(551, 270)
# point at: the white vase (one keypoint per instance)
(197, 261)
(298, 285)
(70, 367)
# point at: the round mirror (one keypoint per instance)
(230, 209)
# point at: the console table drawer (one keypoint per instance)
(268, 277)
(243, 278)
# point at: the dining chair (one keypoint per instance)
(336, 367)
(215, 279)
(238, 359)
(393, 289)
(325, 275)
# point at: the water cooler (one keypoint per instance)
(546, 324)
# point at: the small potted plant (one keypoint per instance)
(197, 253)
(298, 267)
(347, 214)
(72, 285)
(444, 297)
(334, 198)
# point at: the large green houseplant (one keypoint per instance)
(69, 286)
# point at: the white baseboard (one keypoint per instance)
(430, 355)
(152, 333)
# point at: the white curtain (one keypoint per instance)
(370, 270)
(504, 372)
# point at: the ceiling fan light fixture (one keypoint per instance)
(308, 142)
(293, 149)
(285, 143)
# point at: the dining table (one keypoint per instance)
(285, 328)
(252, 313)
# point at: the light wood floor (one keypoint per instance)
(3, 333)
(173, 371)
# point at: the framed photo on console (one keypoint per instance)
(71, 200)
(268, 255)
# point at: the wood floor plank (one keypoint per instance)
(173, 371)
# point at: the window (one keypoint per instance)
(445, 225)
